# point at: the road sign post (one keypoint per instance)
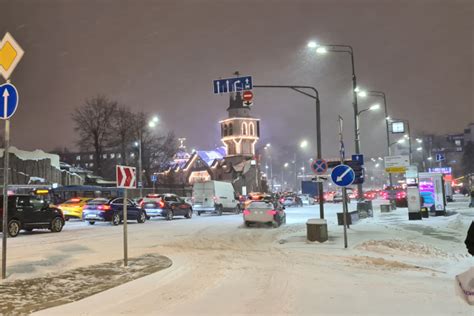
(10, 55)
(126, 179)
(340, 176)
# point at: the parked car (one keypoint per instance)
(288, 201)
(264, 212)
(111, 210)
(166, 205)
(370, 195)
(215, 197)
(30, 212)
(72, 208)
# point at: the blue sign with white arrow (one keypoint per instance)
(440, 157)
(9, 100)
(343, 175)
(235, 84)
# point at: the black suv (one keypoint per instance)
(29, 212)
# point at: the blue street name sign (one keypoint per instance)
(8, 100)
(154, 178)
(342, 175)
(440, 157)
(359, 158)
(235, 84)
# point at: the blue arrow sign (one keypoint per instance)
(9, 100)
(233, 84)
(154, 178)
(342, 175)
(440, 157)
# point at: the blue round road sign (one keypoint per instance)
(342, 175)
(8, 100)
(319, 166)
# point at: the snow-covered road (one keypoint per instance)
(392, 266)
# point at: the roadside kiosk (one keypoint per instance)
(433, 193)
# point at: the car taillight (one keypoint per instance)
(214, 198)
(282, 200)
(246, 212)
(272, 212)
(141, 204)
(104, 207)
(161, 204)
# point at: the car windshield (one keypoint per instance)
(259, 205)
(73, 201)
(98, 201)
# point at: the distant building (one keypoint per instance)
(235, 162)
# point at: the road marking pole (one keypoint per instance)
(125, 231)
(5, 197)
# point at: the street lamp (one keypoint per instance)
(151, 124)
(268, 147)
(304, 143)
(347, 49)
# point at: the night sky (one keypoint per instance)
(161, 57)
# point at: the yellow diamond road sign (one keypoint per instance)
(10, 55)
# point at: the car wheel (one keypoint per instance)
(14, 228)
(189, 214)
(57, 224)
(142, 218)
(199, 213)
(169, 215)
(91, 222)
(219, 210)
(115, 219)
(237, 209)
(148, 218)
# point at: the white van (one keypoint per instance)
(214, 197)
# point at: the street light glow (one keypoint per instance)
(136, 144)
(155, 119)
(362, 93)
(286, 164)
(419, 149)
(321, 50)
(419, 141)
(312, 44)
(304, 144)
(375, 107)
(430, 158)
(152, 124)
(401, 141)
(388, 118)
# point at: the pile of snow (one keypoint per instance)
(33, 155)
(403, 248)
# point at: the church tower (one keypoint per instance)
(240, 131)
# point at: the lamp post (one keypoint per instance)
(151, 124)
(387, 125)
(267, 149)
(347, 49)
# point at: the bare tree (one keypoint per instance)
(93, 122)
(123, 132)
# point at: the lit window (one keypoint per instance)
(112, 156)
(457, 142)
(225, 129)
(231, 129)
(119, 155)
(91, 157)
(78, 157)
(104, 156)
(91, 164)
(132, 155)
(244, 128)
(251, 129)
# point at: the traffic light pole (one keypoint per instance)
(318, 129)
